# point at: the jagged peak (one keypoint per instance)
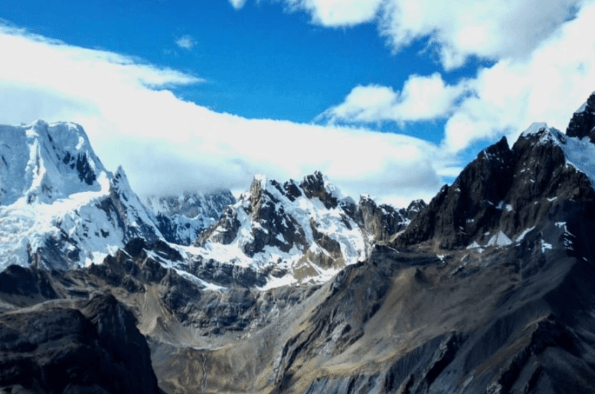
(416, 205)
(544, 133)
(582, 123)
(496, 151)
(587, 106)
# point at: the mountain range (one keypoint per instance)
(294, 287)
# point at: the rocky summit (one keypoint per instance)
(296, 288)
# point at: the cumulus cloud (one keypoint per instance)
(185, 42)
(421, 98)
(549, 85)
(331, 13)
(167, 145)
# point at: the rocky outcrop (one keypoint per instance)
(314, 186)
(91, 346)
(300, 229)
(384, 221)
(582, 123)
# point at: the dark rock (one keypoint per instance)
(55, 349)
(582, 123)
(313, 186)
(384, 221)
(28, 282)
(85, 172)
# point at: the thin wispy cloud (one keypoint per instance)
(185, 42)
(237, 4)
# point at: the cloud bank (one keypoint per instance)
(167, 145)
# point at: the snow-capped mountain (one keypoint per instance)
(59, 206)
(182, 218)
(488, 289)
(296, 233)
(299, 228)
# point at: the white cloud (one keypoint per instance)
(421, 98)
(547, 83)
(185, 42)
(237, 4)
(491, 29)
(167, 145)
(335, 13)
(331, 13)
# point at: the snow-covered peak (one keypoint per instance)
(299, 229)
(59, 207)
(535, 128)
(44, 162)
(578, 152)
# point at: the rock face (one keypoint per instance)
(181, 219)
(91, 347)
(506, 193)
(582, 123)
(384, 221)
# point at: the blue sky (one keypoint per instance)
(385, 96)
(258, 62)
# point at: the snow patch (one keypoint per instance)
(523, 234)
(545, 246)
(499, 239)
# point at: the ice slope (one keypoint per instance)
(59, 206)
